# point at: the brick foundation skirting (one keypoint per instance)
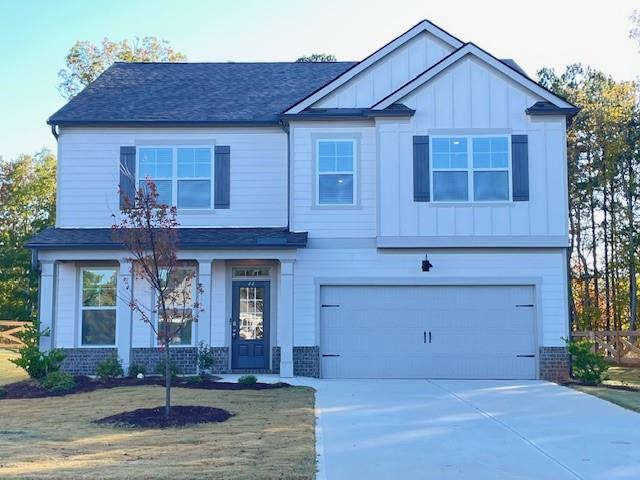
(185, 359)
(275, 360)
(306, 361)
(83, 361)
(220, 360)
(554, 364)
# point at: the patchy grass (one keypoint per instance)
(618, 376)
(9, 373)
(271, 436)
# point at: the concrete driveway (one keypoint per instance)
(446, 429)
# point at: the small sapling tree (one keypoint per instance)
(149, 231)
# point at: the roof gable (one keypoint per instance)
(420, 28)
(509, 71)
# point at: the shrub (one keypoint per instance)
(194, 379)
(588, 367)
(173, 369)
(58, 382)
(109, 369)
(36, 363)
(248, 380)
(3, 392)
(205, 357)
(135, 369)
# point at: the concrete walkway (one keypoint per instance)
(469, 429)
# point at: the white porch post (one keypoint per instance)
(124, 314)
(46, 303)
(204, 322)
(285, 318)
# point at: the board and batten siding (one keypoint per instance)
(89, 172)
(362, 265)
(333, 221)
(66, 329)
(388, 74)
(471, 97)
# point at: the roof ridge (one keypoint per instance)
(232, 62)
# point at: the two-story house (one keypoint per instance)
(404, 216)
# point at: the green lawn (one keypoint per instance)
(629, 376)
(9, 373)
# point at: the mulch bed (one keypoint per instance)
(181, 415)
(626, 388)
(32, 388)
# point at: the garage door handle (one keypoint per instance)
(429, 336)
(330, 355)
(525, 356)
(424, 336)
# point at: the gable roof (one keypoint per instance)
(517, 75)
(195, 93)
(420, 27)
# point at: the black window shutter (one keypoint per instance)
(520, 167)
(222, 176)
(421, 174)
(127, 177)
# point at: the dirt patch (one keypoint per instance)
(33, 389)
(181, 416)
(626, 388)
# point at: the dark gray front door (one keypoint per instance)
(250, 324)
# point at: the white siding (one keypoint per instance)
(358, 221)
(388, 74)
(89, 173)
(368, 264)
(470, 98)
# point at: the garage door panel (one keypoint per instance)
(382, 332)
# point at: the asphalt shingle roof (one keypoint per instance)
(176, 93)
(188, 238)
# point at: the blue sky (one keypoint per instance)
(35, 36)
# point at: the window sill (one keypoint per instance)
(97, 346)
(468, 204)
(336, 207)
(196, 211)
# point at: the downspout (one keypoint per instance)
(54, 131)
(285, 127)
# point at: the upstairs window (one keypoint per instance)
(182, 175)
(335, 172)
(471, 168)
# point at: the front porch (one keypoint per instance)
(246, 322)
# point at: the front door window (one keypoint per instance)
(251, 313)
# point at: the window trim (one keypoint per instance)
(82, 308)
(354, 172)
(471, 169)
(196, 280)
(174, 174)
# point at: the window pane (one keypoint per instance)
(180, 288)
(441, 145)
(499, 144)
(194, 194)
(344, 149)
(98, 288)
(194, 162)
(345, 164)
(481, 145)
(459, 145)
(500, 160)
(491, 185)
(336, 189)
(440, 160)
(459, 160)
(164, 191)
(147, 163)
(450, 186)
(177, 329)
(185, 162)
(98, 327)
(327, 164)
(202, 162)
(326, 149)
(482, 160)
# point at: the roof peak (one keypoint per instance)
(231, 62)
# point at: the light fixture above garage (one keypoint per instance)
(426, 264)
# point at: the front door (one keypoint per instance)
(250, 325)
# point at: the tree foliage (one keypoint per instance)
(86, 61)
(27, 206)
(603, 155)
(318, 57)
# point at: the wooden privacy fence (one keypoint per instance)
(8, 333)
(622, 346)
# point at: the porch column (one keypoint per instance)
(204, 322)
(124, 314)
(46, 304)
(285, 318)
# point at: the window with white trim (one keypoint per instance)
(183, 175)
(336, 172)
(98, 306)
(180, 296)
(471, 168)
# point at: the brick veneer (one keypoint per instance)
(554, 364)
(306, 361)
(83, 361)
(185, 358)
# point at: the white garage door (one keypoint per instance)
(428, 332)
